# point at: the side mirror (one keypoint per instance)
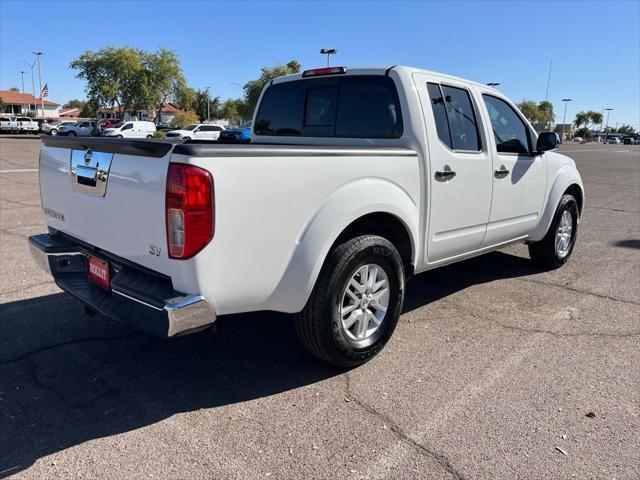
(546, 141)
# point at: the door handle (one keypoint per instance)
(503, 172)
(446, 174)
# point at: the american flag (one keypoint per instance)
(45, 91)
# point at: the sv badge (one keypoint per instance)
(153, 250)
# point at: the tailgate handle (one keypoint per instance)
(90, 171)
(86, 176)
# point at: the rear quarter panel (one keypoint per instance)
(276, 217)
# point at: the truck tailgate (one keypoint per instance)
(110, 194)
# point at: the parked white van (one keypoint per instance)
(132, 129)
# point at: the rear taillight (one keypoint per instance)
(189, 210)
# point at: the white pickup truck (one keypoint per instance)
(355, 180)
(18, 125)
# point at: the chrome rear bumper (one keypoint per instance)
(137, 296)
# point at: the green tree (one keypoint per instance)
(588, 119)
(164, 79)
(185, 96)
(584, 133)
(253, 88)
(184, 118)
(115, 76)
(90, 109)
(74, 104)
(234, 109)
(2, 105)
(14, 89)
(529, 109)
(204, 102)
(545, 113)
(627, 130)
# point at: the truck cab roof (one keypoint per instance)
(380, 70)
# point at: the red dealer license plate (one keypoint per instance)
(98, 272)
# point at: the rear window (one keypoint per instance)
(356, 107)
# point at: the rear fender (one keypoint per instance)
(345, 205)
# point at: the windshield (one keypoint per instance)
(118, 125)
(190, 127)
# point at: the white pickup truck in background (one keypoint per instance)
(355, 180)
(18, 125)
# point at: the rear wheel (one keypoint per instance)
(72, 133)
(53, 132)
(556, 247)
(149, 136)
(356, 302)
(119, 136)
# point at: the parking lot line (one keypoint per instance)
(20, 170)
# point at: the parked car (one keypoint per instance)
(239, 134)
(355, 180)
(630, 140)
(85, 128)
(613, 141)
(13, 124)
(197, 131)
(107, 123)
(52, 128)
(131, 129)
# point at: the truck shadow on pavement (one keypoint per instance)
(66, 379)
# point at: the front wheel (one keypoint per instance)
(556, 247)
(119, 136)
(54, 132)
(356, 302)
(72, 134)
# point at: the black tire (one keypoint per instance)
(149, 136)
(319, 325)
(543, 253)
(72, 133)
(186, 138)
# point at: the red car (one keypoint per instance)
(107, 123)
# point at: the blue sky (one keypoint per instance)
(595, 46)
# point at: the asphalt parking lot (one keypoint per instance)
(496, 370)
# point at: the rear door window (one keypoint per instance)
(355, 107)
(455, 118)
(368, 107)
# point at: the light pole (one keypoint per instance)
(564, 117)
(37, 54)
(493, 84)
(22, 72)
(33, 87)
(606, 125)
(208, 108)
(328, 52)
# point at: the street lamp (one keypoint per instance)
(564, 117)
(37, 54)
(33, 87)
(606, 124)
(493, 84)
(208, 104)
(328, 52)
(22, 72)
